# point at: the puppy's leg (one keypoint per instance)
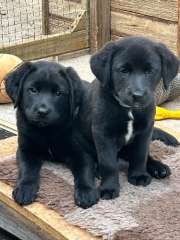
(157, 169)
(83, 168)
(108, 165)
(138, 153)
(28, 180)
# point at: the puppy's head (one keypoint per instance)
(45, 92)
(132, 68)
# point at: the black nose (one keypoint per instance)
(138, 94)
(43, 111)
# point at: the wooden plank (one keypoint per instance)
(115, 37)
(99, 23)
(73, 54)
(48, 221)
(77, 1)
(8, 126)
(45, 17)
(8, 147)
(19, 226)
(80, 23)
(128, 24)
(6, 236)
(53, 45)
(167, 10)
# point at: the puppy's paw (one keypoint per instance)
(158, 170)
(139, 178)
(110, 192)
(25, 194)
(86, 197)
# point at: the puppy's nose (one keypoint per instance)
(138, 94)
(43, 111)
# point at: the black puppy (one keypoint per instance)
(47, 96)
(117, 114)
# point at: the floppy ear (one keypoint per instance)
(101, 63)
(169, 64)
(76, 89)
(15, 79)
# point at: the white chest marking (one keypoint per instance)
(129, 127)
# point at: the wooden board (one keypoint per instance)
(45, 16)
(80, 23)
(163, 9)
(99, 23)
(9, 147)
(46, 222)
(129, 24)
(53, 45)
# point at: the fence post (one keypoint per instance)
(100, 23)
(45, 17)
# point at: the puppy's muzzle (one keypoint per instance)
(138, 95)
(43, 111)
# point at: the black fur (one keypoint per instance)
(165, 137)
(127, 72)
(47, 96)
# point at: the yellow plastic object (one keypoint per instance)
(7, 63)
(163, 113)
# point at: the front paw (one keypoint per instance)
(25, 194)
(86, 197)
(158, 170)
(109, 192)
(139, 178)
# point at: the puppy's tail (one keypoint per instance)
(165, 137)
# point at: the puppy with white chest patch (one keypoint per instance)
(117, 113)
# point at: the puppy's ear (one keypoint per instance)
(75, 89)
(15, 79)
(101, 63)
(169, 64)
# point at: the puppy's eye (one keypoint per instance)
(58, 93)
(147, 69)
(125, 70)
(33, 90)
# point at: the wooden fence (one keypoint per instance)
(113, 19)
(94, 23)
(43, 28)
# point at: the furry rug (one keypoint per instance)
(143, 213)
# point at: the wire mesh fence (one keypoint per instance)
(27, 20)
